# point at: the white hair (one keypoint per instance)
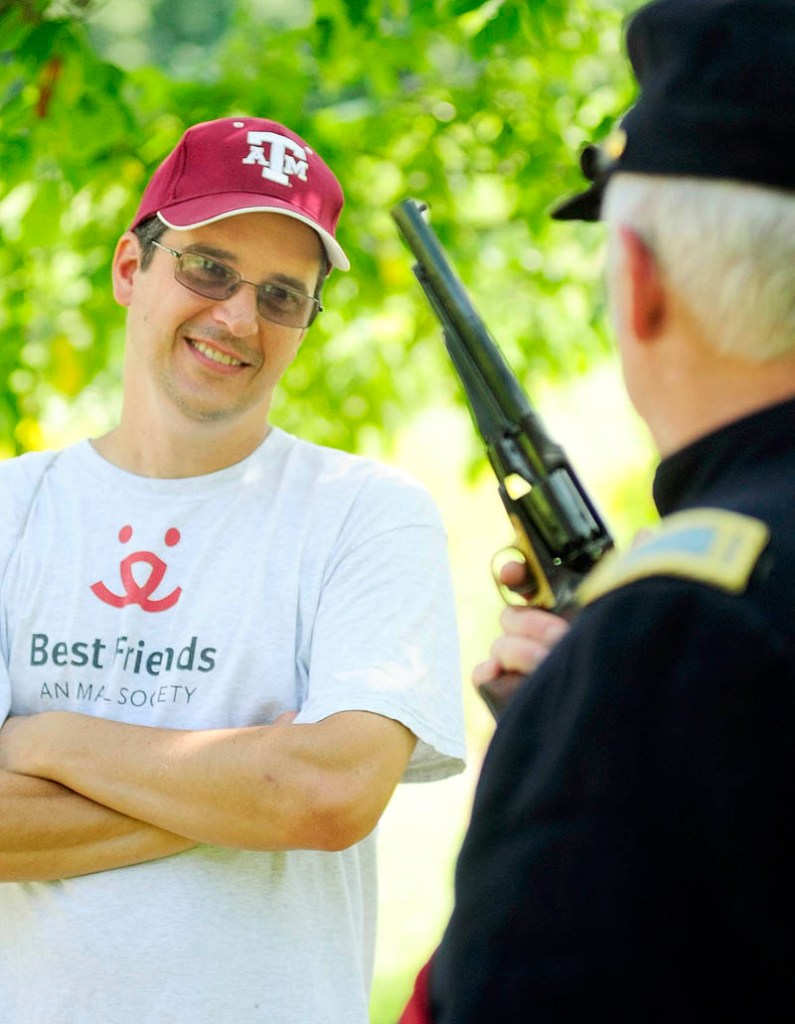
(727, 248)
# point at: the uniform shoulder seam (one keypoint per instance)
(713, 546)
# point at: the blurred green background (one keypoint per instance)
(477, 108)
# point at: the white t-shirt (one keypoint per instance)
(298, 579)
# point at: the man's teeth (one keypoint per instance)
(215, 355)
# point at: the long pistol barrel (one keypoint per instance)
(557, 525)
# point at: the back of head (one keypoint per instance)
(726, 248)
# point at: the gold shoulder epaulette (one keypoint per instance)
(709, 545)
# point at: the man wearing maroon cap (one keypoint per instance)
(630, 853)
(221, 647)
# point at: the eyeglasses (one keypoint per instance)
(275, 302)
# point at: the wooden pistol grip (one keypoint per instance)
(497, 693)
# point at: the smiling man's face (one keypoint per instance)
(209, 359)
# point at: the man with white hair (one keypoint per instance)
(630, 852)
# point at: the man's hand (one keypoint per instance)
(23, 741)
(13, 734)
(529, 634)
(48, 832)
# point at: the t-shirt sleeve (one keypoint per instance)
(384, 637)
(19, 481)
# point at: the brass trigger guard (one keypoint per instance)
(522, 593)
(534, 590)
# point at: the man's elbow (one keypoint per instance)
(341, 822)
(339, 815)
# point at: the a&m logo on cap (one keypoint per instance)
(283, 160)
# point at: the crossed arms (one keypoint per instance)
(81, 794)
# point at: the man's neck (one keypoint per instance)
(205, 448)
(712, 401)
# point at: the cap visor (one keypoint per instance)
(584, 206)
(195, 213)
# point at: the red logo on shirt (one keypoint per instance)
(140, 594)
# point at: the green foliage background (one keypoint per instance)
(477, 108)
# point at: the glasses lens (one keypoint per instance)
(285, 306)
(214, 280)
(205, 276)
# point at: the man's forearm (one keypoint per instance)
(48, 832)
(274, 787)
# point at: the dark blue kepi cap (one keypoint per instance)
(716, 98)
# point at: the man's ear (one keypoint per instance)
(645, 286)
(126, 264)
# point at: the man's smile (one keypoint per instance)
(215, 355)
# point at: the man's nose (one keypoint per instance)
(238, 312)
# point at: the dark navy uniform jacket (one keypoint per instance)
(631, 854)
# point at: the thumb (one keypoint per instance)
(285, 718)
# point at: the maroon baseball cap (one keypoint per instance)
(243, 165)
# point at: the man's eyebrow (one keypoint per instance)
(230, 257)
(289, 282)
(210, 250)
